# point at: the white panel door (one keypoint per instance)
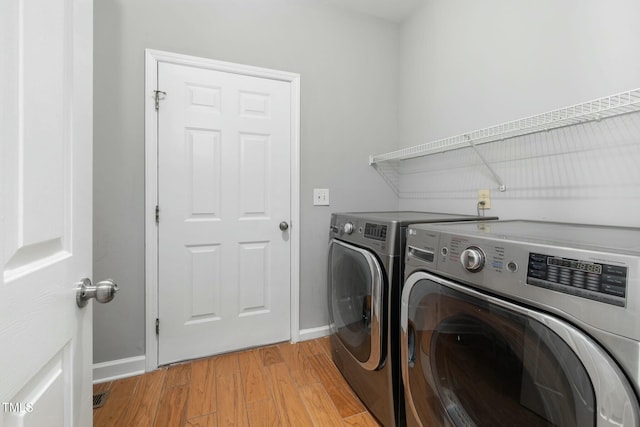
(45, 211)
(223, 190)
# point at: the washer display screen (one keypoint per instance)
(600, 282)
(375, 231)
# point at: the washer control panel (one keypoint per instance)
(375, 231)
(472, 259)
(589, 275)
(379, 237)
(348, 227)
(596, 281)
(516, 268)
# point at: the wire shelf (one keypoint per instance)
(608, 106)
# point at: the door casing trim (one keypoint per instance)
(152, 58)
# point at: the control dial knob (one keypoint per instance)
(472, 259)
(348, 228)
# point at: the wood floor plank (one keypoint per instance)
(295, 356)
(99, 388)
(178, 375)
(270, 355)
(202, 389)
(325, 345)
(312, 347)
(144, 402)
(117, 403)
(361, 420)
(124, 388)
(263, 413)
(320, 406)
(291, 410)
(112, 414)
(226, 364)
(253, 376)
(231, 407)
(343, 397)
(172, 407)
(209, 420)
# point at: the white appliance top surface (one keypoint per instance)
(593, 237)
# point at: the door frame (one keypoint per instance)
(152, 58)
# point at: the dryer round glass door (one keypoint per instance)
(474, 360)
(355, 286)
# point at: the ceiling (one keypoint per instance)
(391, 10)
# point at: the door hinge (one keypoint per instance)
(157, 326)
(159, 96)
(157, 214)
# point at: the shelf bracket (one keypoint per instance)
(390, 175)
(501, 185)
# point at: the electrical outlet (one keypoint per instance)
(321, 197)
(484, 196)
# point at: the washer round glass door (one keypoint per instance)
(355, 294)
(469, 359)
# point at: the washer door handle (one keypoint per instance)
(366, 312)
(411, 344)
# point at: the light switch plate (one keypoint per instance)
(321, 197)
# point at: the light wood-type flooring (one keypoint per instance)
(279, 385)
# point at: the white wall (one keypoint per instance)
(349, 75)
(466, 65)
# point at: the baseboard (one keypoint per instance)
(313, 333)
(116, 369)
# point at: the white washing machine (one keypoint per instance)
(522, 323)
(364, 282)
